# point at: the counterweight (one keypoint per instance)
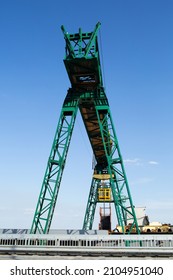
(87, 94)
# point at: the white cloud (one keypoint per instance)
(135, 161)
(153, 162)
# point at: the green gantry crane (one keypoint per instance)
(87, 94)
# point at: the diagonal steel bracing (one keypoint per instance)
(55, 166)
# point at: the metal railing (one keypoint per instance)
(87, 241)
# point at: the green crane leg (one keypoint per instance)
(55, 166)
(118, 181)
(91, 205)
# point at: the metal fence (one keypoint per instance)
(86, 241)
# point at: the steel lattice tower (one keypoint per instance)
(87, 94)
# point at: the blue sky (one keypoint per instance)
(136, 40)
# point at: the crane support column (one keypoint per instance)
(55, 166)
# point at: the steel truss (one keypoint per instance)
(88, 95)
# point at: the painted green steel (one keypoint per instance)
(82, 60)
(55, 166)
(87, 94)
(91, 205)
(115, 168)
